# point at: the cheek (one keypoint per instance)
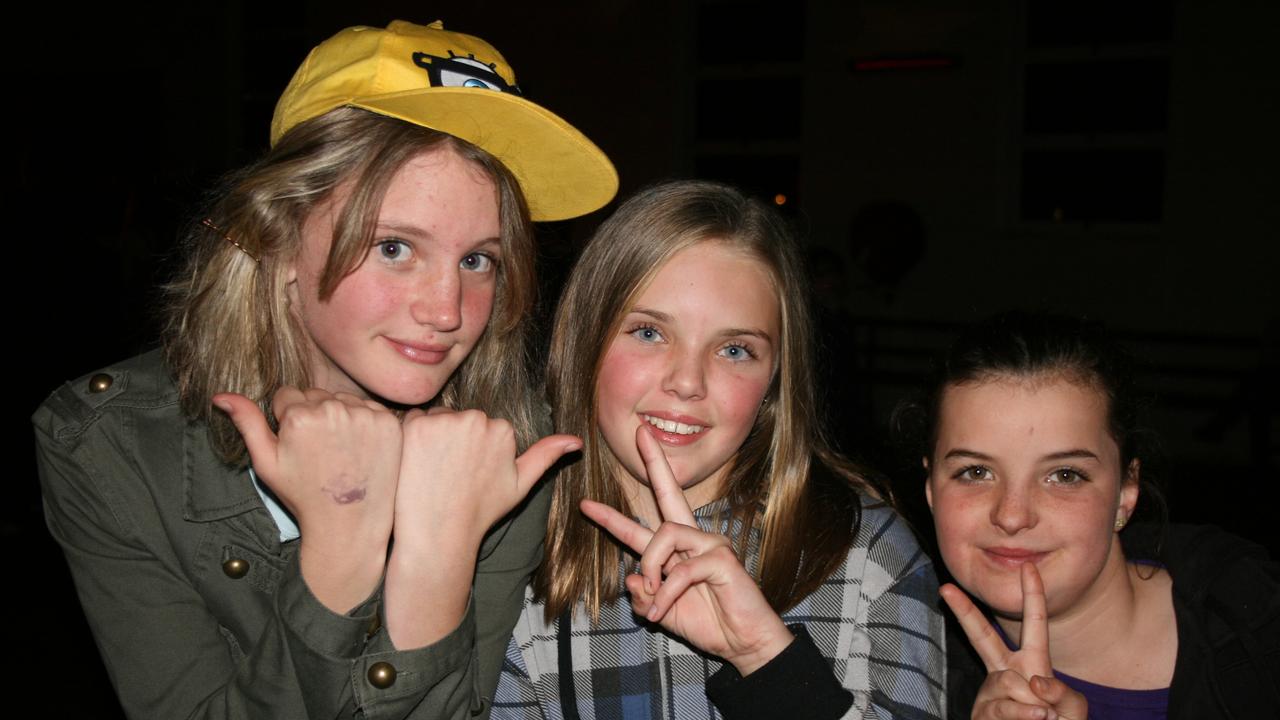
(740, 400)
(956, 520)
(477, 306)
(625, 378)
(359, 301)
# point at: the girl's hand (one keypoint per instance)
(459, 475)
(690, 581)
(1020, 684)
(334, 466)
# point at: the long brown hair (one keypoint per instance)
(229, 327)
(783, 480)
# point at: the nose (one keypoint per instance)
(1014, 509)
(437, 300)
(686, 377)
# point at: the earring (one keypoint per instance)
(1120, 521)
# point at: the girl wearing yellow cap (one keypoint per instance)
(260, 518)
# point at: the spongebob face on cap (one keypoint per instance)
(457, 71)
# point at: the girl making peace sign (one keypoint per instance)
(772, 582)
(1035, 470)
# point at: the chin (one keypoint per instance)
(1002, 596)
(406, 394)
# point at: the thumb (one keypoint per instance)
(1069, 704)
(534, 462)
(252, 424)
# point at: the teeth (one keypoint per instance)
(672, 426)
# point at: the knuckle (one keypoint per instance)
(1006, 679)
(679, 574)
(722, 553)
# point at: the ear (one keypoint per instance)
(1129, 490)
(928, 486)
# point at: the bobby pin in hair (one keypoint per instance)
(209, 224)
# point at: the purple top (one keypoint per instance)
(1108, 703)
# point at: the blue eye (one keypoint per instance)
(394, 250)
(646, 334)
(477, 262)
(737, 352)
(476, 84)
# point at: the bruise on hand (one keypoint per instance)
(344, 491)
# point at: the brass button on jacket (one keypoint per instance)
(382, 675)
(100, 383)
(235, 568)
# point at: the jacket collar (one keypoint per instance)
(215, 490)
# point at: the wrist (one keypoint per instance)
(433, 539)
(775, 638)
(341, 580)
(425, 596)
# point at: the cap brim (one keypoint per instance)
(561, 172)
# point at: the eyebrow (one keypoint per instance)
(727, 332)
(1060, 455)
(414, 231)
(962, 453)
(397, 228)
(1070, 454)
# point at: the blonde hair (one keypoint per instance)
(228, 325)
(773, 482)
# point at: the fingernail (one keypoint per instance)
(652, 615)
(222, 404)
(574, 446)
(1039, 713)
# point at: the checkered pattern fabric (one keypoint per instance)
(875, 620)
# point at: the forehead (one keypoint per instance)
(1017, 415)
(715, 282)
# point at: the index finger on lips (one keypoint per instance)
(983, 637)
(1034, 645)
(631, 533)
(666, 491)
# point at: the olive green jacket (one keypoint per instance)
(198, 608)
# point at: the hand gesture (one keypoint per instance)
(459, 475)
(690, 581)
(334, 466)
(1020, 684)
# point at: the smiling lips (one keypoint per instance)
(674, 429)
(422, 353)
(1012, 558)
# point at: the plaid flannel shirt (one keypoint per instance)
(875, 620)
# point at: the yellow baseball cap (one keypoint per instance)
(461, 85)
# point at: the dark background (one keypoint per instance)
(943, 160)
